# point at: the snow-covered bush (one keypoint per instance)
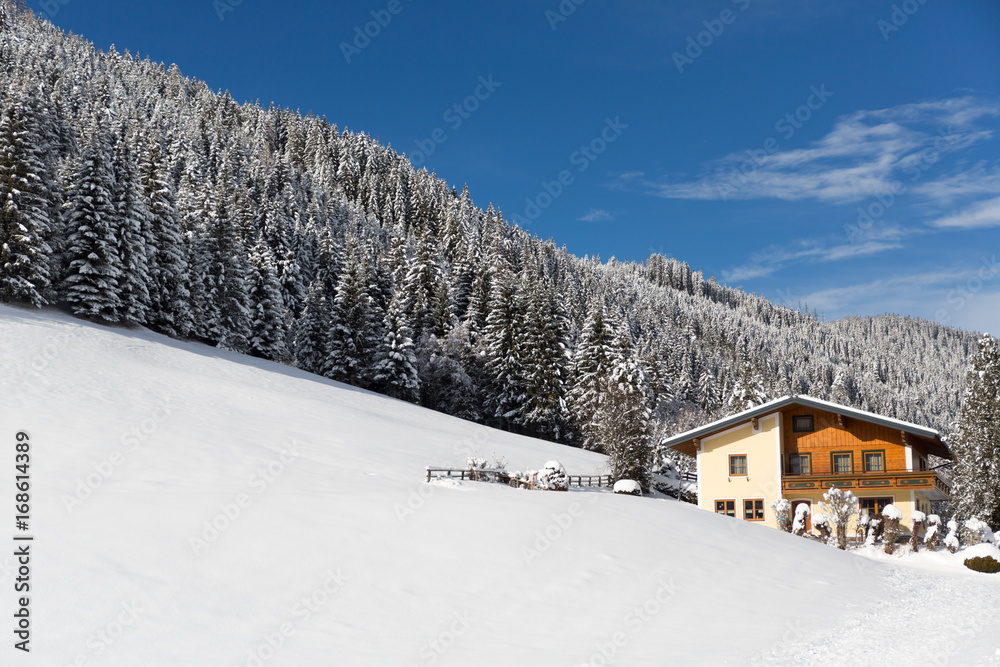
(629, 486)
(482, 463)
(951, 539)
(821, 522)
(919, 518)
(801, 514)
(839, 507)
(891, 515)
(932, 535)
(783, 512)
(553, 477)
(864, 522)
(977, 531)
(875, 528)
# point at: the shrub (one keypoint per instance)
(892, 515)
(839, 507)
(932, 537)
(976, 531)
(983, 564)
(951, 539)
(783, 511)
(553, 477)
(799, 525)
(822, 523)
(629, 486)
(918, 521)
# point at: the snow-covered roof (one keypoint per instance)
(808, 401)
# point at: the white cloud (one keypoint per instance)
(977, 180)
(862, 155)
(597, 215)
(774, 258)
(905, 293)
(978, 216)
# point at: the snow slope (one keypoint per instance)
(331, 550)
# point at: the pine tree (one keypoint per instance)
(24, 220)
(169, 295)
(622, 422)
(423, 286)
(975, 442)
(748, 392)
(545, 366)
(596, 353)
(92, 282)
(312, 337)
(503, 347)
(356, 334)
(136, 242)
(267, 328)
(228, 289)
(395, 372)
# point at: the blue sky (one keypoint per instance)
(843, 154)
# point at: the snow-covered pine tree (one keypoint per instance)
(423, 285)
(357, 332)
(975, 442)
(503, 347)
(91, 284)
(228, 271)
(24, 220)
(312, 336)
(267, 328)
(395, 372)
(545, 365)
(597, 352)
(136, 241)
(169, 295)
(748, 392)
(622, 422)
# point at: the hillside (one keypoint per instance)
(147, 198)
(117, 580)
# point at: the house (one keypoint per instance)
(797, 447)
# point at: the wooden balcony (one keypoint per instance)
(925, 481)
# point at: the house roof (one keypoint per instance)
(684, 442)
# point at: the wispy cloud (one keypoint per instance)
(861, 156)
(974, 181)
(904, 293)
(978, 216)
(597, 215)
(774, 258)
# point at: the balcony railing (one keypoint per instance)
(918, 480)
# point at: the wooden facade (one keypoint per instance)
(852, 453)
(823, 445)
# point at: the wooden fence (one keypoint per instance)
(503, 477)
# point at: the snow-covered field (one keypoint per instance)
(195, 507)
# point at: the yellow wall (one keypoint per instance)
(763, 479)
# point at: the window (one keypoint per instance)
(737, 464)
(873, 506)
(874, 461)
(923, 463)
(727, 507)
(842, 462)
(753, 510)
(799, 464)
(802, 424)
